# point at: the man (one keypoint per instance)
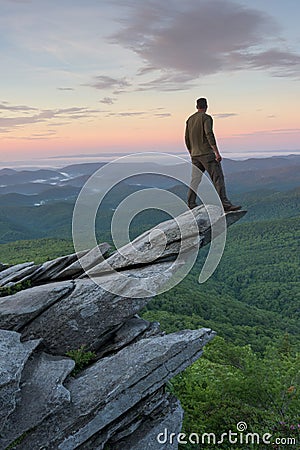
(201, 143)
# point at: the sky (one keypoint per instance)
(86, 80)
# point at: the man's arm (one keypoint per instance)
(208, 129)
(187, 138)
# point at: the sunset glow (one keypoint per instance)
(84, 78)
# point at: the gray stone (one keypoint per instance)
(84, 317)
(153, 433)
(138, 422)
(18, 277)
(153, 330)
(103, 392)
(88, 260)
(92, 312)
(160, 241)
(166, 239)
(131, 329)
(13, 270)
(41, 394)
(18, 309)
(13, 357)
(50, 269)
(128, 332)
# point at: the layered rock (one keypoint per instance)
(65, 267)
(119, 400)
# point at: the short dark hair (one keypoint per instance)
(201, 103)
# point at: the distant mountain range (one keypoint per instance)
(280, 173)
(39, 203)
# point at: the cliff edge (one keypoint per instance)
(90, 300)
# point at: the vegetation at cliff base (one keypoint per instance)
(232, 384)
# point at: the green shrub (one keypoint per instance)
(81, 357)
(4, 291)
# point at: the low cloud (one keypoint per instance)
(167, 82)
(270, 132)
(163, 115)
(104, 82)
(146, 70)
(108, 100)
(186, 40)
(127, 114)
(39, 136)
(224, 115)
(47, 133)
(140, 114)
(281, 63)
(58, 124)
(43, 116)
(5, 106)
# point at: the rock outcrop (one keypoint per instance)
(118, 401)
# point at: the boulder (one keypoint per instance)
(103, 394)
(24, 306)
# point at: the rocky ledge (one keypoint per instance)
(90, 300)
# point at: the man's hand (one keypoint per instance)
(218, 157)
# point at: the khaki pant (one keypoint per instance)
(214, 169)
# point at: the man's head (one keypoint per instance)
(201, 104)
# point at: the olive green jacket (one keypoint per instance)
(199, 135)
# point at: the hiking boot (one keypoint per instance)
(229, 208)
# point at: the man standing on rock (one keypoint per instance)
(201, 143)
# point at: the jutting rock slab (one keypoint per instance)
(90, 302)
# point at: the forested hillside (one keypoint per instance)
(253, 297)
(251, 372)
